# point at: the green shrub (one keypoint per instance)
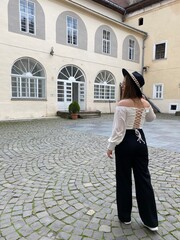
(74, 107)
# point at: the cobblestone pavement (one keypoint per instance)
(56, 183)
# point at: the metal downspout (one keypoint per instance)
(156, 109)
(143, 50)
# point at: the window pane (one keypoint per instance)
(31, 24)
(27, 15)
(60, 91)
(75, 37)
(33, 88)
(23, 23)
(160, 51)
(31, 8)
(14, 87)
(23, 6)
(69, 22)
(131, 50)
(96, 91)
(106, 48)
(74, 23)
(72, 32)
(69, 36)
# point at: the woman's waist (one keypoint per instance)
(133, 128)
(138, 132)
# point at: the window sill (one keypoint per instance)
(157, 98)
(105, 101)
(159, 59)
(28, 99)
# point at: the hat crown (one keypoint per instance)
(139, 78)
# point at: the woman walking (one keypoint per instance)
(131, 153)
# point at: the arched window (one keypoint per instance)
(106, 41)
(28, 79)
(26, 17)
(71, 30)
(131, 49)
(104, 86)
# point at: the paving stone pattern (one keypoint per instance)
(56, 183)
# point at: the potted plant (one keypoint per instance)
(74, 108)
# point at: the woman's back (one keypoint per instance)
(136, 112)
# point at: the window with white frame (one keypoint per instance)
(27, 16)
(158, 91)
(160, 50)
(131, 50)
(106, 42)
(27, 79)
(104, 86)
(72, 30)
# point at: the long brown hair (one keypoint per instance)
(130, 90)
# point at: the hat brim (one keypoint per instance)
(125, 73)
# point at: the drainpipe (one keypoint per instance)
(124, 16)
(143, 50)
(156, 109)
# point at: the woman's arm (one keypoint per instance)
(118, 129)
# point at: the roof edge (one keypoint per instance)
(111, 5)
(139, 5)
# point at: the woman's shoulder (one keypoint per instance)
(145, 103)
(130, 103)
(125, 103)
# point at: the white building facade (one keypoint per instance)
(55, 52)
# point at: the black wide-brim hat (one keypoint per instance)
(136, 77)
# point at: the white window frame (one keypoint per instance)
(26, 80)
(104, 90)
(23, 87)
(74, 31)
(106, 42)
(131, 50)
(158, 94)
(27, 15)
(154, 50)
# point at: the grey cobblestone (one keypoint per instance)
(57, 183)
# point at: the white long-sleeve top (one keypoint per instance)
(128, 118)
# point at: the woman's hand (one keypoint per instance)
(109, 153)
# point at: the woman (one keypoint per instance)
(131, 152)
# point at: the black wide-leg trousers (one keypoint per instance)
(133, 155)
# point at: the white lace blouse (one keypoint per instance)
(128, 118)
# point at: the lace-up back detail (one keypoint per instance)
(135, 117)
(138, 117)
